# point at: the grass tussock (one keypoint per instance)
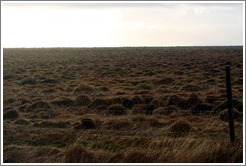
(22, 122)
(202, 108)
(78, 154)
(63, 101)
(38, 105)
(85, 89)
(165, 110)
(180, 127)
(28, 81)
(12, 114)
(116, 109)
(139, 109)
(51, 124)
(83, 100)
(118, 124)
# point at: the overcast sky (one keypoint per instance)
(121, 24)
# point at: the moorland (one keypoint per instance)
(127, 105)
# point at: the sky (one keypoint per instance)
(115, 24)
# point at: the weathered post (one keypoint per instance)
(229, 100)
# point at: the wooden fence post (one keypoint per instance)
(229, 100)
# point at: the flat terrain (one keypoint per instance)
(129, 105)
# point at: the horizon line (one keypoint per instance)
(132, 46)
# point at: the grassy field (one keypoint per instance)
(128, 105)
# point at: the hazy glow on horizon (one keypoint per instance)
(127, 24)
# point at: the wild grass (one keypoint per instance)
(121, 105)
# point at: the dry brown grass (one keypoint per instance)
(174, 150)
(116, 109)
(121, 105)
(83, 100)
(78, 154)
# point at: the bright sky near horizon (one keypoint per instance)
(121, 24)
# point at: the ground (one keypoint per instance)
(137, 105)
